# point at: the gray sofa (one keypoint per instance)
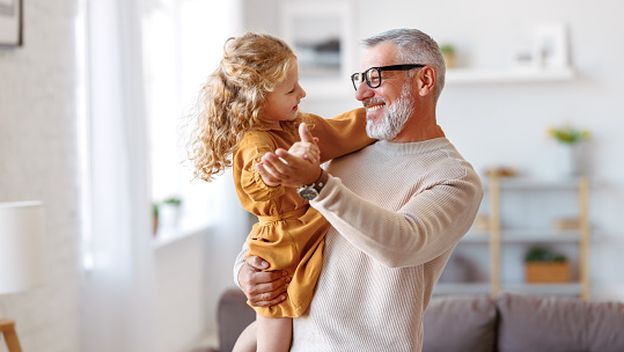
(509, 323)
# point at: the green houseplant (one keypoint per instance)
(568, 135)
(542, 265)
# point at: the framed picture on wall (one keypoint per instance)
(320, 33)
(550, 46)
(11, 22)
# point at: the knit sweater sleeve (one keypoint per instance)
(429, 224)
(238, 263)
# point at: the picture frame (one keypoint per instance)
(550, 46)
(11, 23)
(320, 33)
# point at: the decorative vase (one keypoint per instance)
(568, 160)
(168, 216)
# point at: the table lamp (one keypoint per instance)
(21, 234)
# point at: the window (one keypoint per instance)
(182, 44)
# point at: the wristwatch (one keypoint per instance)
(311, 191)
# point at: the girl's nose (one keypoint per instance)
(302, 92)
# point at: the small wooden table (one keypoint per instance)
(7, 327)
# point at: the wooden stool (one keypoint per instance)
(7, 327)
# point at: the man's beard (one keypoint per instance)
(394, 119)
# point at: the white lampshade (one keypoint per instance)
(21, 234)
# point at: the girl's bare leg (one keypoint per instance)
(246, 342)
(273, 334)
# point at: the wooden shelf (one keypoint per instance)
(476, 237)
(511, 75)
(544, 236)
(529, 184)
(569, 289)
(340, 88)
(496, 237)
(526, 236)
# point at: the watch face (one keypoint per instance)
(308, 193)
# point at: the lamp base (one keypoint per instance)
(7, 328)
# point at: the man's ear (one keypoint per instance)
(426, 81)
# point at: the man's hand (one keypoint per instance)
(288, 169)
(262, 288)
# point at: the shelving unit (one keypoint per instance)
(497, 238)
(511, 75)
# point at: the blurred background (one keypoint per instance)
(95, 99)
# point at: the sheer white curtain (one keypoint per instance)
(117, 308)
(116, 292)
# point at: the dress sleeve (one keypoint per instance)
(340, 135)
(248, 155)
(428, 225)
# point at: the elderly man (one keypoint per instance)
(397, 208)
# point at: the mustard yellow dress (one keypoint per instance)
(289, 233)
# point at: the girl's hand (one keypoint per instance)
(267, 178)
(307, 148)
(307, 151)
(291, 170)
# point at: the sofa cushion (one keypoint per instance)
(460, 324)
(532, 323)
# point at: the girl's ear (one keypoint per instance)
(426, 80)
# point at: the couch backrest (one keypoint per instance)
(460, 324)
(549, 324)
(511, 323)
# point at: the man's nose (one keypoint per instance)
(363, 92)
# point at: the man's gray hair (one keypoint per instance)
(415, 47)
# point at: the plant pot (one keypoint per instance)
(168, 216)
(568, 160)
(547, 272)
(449, 59)
(154, 224)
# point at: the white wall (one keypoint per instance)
(38, 160)
(180, 293)
(494, 124)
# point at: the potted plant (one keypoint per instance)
(568, 139)
(155, 211)
(542, 265)
(169, 212)
(449, 55)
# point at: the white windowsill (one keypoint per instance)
(169, 236)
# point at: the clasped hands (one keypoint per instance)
(297, 166)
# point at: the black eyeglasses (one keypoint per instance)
(372, 76)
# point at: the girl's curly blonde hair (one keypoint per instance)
(231, 101)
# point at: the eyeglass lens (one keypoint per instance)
(372, 76)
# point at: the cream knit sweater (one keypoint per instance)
(397, 211)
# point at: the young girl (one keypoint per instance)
(249, 106)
